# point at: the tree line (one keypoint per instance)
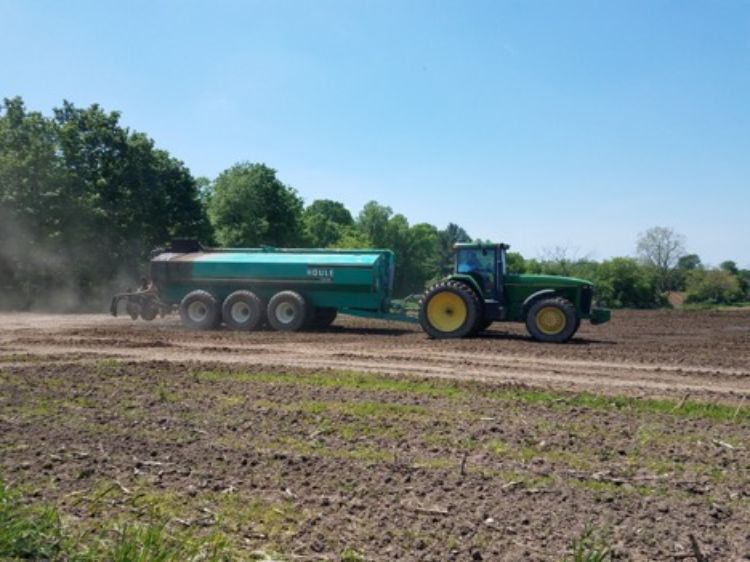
(84, 200)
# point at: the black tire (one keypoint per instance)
(199, 310)
(449, 310)
(242, 310)
(552, 320)
(149, 311)
(287, 311)
(322, 318)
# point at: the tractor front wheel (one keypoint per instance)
(552, 320)
(449, 310)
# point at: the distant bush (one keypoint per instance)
(713, 286)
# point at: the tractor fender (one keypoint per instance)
(532, 298)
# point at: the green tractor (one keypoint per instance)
(481, 291)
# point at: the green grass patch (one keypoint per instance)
(106, 366)
(28, 532)
(36, 532)
(687, 409)
(344, 380)
(354, 409)
(21, 358)
(455, 390)
(605, 487)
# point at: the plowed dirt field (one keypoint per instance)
(369, 441)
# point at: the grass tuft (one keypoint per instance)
(590, 546)
(27, 532)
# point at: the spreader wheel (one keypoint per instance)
(287, 311)
(449, 310)
(242, 310)
(199, 310)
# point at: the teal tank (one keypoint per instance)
(352, 279)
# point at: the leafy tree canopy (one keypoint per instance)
(325, 222)
(85, 200)
(249, 206)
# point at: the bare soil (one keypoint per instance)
(489, 448)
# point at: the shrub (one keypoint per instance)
(713, 286)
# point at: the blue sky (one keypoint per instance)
(542, 124)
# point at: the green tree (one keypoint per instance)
(250, 206)
(447, 238)
(372, 221)
(730, 266)
(415, 246)
(685, 265)
(515, 263)
(31, 202)
(124, 196)
(623, 282)
(743, 276)
(689, 262)
(325, 222)
(82, 202)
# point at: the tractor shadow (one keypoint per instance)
(488, 335)
(509, 336)
(365, 331)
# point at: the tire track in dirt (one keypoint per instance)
(566, 374)
(649, 353)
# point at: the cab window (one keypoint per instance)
(479, 264)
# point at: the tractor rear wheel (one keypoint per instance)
(199, 310)
(287, 311)
(242, 310)
(552, 320)
(449, 310)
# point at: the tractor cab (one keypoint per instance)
(485, 264)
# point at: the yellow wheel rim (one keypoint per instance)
(550, 320)
(446, 312)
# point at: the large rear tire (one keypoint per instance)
(449, 310)
(242, 310)
(199, 310)
(287, 311)
(552, 320)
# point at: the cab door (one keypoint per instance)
(482, 265)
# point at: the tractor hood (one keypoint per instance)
(547, 281)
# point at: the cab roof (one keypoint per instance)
(480, 245)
